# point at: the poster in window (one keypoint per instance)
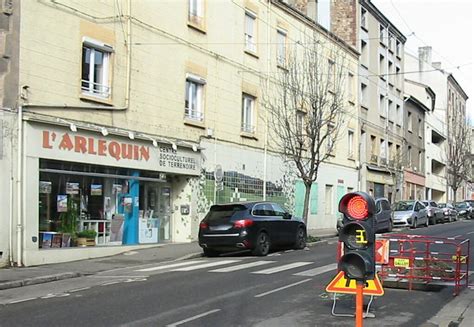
(46, 240)
(62, 202)
(72, 188)
(56, 241)
(45, 187)
(96, 189)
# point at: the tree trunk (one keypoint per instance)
(455, 195)
(306, 202)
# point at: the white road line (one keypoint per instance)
(206, 265)
(173, 265)
(283, 288)
(22, 300)
(193, 318)
(242, 266)
(317, 271)
(79, 289)
(469, 233)
(281, 268)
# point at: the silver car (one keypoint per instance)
(410, 213)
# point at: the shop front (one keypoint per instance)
(414, 186)
(86, 190)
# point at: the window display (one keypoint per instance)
(94, 201)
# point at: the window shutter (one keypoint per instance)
(299, 198)
(314, 199)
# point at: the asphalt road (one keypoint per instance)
(286, 288)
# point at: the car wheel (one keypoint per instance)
(300, 242)
(263, 245)
(427, 223)
(415, 223)
(210, 253)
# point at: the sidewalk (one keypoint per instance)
(17, 277)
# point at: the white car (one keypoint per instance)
(410, 213)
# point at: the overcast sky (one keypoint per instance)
(446, 25)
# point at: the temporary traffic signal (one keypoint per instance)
(358, 236)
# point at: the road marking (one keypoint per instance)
(242, 266)
(282, 268)
(173, 265)
(193, 318)
(317, 271)
(469, 233)
(79, 289)
(22, 300)
(206, 265)
(283, 288)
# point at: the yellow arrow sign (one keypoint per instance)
(340, 284)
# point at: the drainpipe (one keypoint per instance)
(265, 141)
(10, 220)
(19, 226)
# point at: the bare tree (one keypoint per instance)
(395, 168)
(305, 102)
(458, 151)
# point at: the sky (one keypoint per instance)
(447, 26)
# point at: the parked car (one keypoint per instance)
(434, 213)
(255, 226)
(465, 210)
(449, 212)
(383, 216)
(410, 213)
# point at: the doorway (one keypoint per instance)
(155, 212)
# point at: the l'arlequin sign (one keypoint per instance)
(94, 146)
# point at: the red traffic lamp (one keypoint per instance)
(358, 236)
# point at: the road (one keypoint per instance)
(286, 288)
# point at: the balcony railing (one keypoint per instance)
(95, 89)
(193, 114)
(374, 159)
(248, 128)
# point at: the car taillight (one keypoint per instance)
(203, 225)
(243, 223)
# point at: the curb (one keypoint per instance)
(39, 280)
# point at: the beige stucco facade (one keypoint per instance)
(153, 47)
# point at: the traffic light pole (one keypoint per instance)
(359, 316)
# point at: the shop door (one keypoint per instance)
(164, 212)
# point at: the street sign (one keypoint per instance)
(340, 284)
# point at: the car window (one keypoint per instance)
(385, 205)
(425, 203)
(461, 205)
(404, 206)
(224, 211)
(443, 205)
(378, 206)
(279, 211)
(263, 209)
(433, 204)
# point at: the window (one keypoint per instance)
(373, 146)
(193, 107)
(398, 48)
(399, 115)
(383, 149)
(328, 199)
(410, 122)
(281, 50)
(364, 55)
(390, 151)
(420, 128)
(330, 143)
(324, 13)
(300, 122)
(363, 18)
(196, 11)
(382, 108)
(279, 211)
(382, 34)
(409, 156)
(391, 112)
(248, 104)
(263, 209)
(397, 76)
(390, 72)
(350, 144)
(95, 68)
(250, 34)
(350, 86)
(382, 68)
(331, 74)
(420, 160)
(390, 41)
(363, 94)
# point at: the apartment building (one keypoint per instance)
(419, 102)
(381, 86)
(450, 109)
(131, 119)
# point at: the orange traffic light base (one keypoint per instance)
(359, 317)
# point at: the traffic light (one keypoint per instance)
(358, 236)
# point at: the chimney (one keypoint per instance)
(311, 10)
(437, 65)
(424, 54)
